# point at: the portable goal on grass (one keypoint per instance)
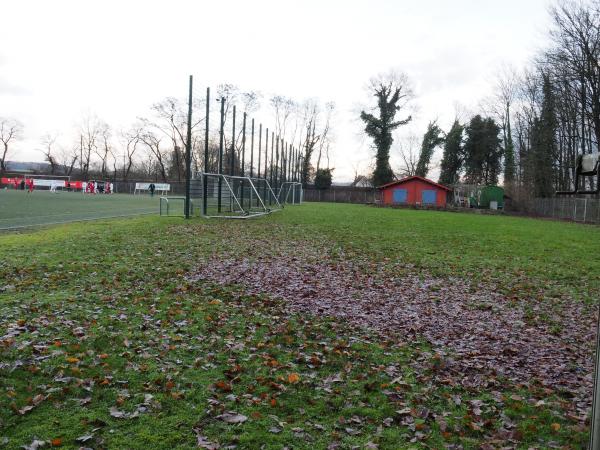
(233, 197)
(290, 192)
(173, 206)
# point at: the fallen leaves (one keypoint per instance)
(114, 412)
(223, 386)
(232, 417)
(293, 378)
(485, 333)
(35, 445)
(204, 442)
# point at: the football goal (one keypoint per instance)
(290, 192)
(233, 197)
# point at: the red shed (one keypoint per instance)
(414, 191)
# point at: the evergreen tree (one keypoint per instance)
(323, 178)
(483, 152)
(388, 94)
(543, 144)
(432, 138)
(453, 157)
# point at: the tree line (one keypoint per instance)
(153, 147)
(528, 133)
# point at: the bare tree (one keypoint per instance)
(104, 149)
(409, 150)
(325, 140)
(91, 129)
(10, 130)
(48, 142)
(577, 46)
(153, 144)
(250, 101)
(315, 135)
(171, 120)
(67, 159)
(283, 108)
(131, 139)
(311, 138)
(506, 92)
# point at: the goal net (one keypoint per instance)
(228, 196)
(290, 193)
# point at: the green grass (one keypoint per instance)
(20, 209)
(101, 315)
(530, 256)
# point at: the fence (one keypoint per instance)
(342, 194)
(128, 187)
(585, 210)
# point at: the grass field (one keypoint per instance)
(19, 209)
(320, 326)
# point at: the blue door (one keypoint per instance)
(400, 195)
(429, 197)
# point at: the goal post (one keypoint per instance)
(290, 192)
(233, 197)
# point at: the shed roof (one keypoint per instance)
(414, 177)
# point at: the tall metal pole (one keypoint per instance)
(281, 164)
(252, 150)
(221, 136)
(288, 153)
(204, 179)
(244, 145)
(295, 170)
(276, 165)
(232, 161)
(283, 161)
(259, 149)
(287, 165)
(243, 168)
(265, 175)
(188, 153)
(272, 153)
(291, 164)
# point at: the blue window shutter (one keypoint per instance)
(429, 197)
(400, 195)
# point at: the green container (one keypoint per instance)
(491, 194)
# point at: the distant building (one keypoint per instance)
(362, 182)
(414, 191)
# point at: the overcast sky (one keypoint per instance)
(60, 58)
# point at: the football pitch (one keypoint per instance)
(18, 209)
